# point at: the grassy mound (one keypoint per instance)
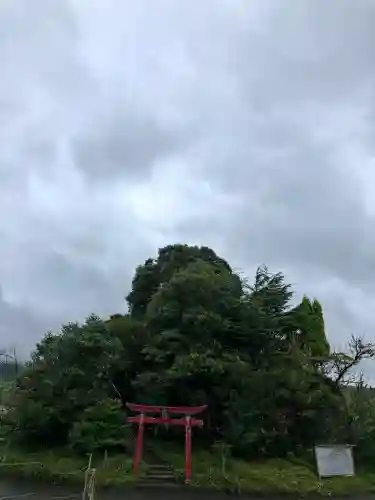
(270, 477)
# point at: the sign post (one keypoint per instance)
(334, 460)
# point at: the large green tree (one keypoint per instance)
(154, 272)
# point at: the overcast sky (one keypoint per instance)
(244, 125)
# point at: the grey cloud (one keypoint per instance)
(58, 273)
(286, 161)
(294, 203)
(123, 143)
(127, 127)
(20, 328)
(323, 52)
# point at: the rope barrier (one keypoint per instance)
(89, 488)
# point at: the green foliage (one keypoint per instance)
(134, 337)
(308, 317)
(196, 333)
(68, 373)
(360, 432)
(265, 329)
(101, 427)
(154, 273)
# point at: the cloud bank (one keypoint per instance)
(245, 126)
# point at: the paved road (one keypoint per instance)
(16, 490)
(20, 490)
(24, 490)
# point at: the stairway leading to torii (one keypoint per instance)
(158, 475)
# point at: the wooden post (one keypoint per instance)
(188, 450)
(139, 445)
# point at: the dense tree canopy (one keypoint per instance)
(195, 333)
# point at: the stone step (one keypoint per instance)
(160, 477)
(157, 484)
(159, 467)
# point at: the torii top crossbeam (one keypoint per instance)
(185, 410)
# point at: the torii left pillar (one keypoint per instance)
(139, 443)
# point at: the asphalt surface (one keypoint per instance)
(20, 490)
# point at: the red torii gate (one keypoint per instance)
(187, 421)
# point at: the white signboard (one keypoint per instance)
(334, 460)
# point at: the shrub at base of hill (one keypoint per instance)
(101, 427)
(69, 372)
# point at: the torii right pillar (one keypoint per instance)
(188, 449)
